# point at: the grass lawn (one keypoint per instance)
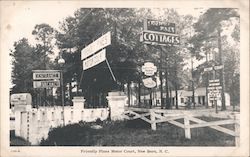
(135, 133)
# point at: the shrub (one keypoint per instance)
(137, 124)
(17, 141)
(75, 134)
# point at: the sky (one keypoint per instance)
(19, 19)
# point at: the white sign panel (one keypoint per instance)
(46, 84)
(158, 38)
(217, 80)
(218, 67)
(97, 45)
(208, 69)
(214, 88)
(214, 84)
(149, 82)
(46, 74)
(94, 60)
(149, 69)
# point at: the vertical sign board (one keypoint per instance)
(214, 89)
(97, 45)
(94, 60)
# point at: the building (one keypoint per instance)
(184, 97)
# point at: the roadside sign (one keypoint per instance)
(214, 84)
(46, 74)
(211, 81)
(159, 38)
(149, 69)
(149, 82)
(46, 84)
(97, 45)
(208, 69)
(218, 67)
(159, 26)
(214, 88)
(94, 60)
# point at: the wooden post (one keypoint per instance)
(187, 128)
(237, 131)
(152, 118)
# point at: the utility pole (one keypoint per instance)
(166, 85)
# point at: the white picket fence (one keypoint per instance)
(156, 116)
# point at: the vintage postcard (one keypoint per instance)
(124, 78)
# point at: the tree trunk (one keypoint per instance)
(223, 106)
(139, 93)
(128, 93)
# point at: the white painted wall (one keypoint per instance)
(34, 124)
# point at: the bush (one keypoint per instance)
(137, 124)
(71, 135)
(17, 141)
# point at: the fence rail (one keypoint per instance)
(154, 116)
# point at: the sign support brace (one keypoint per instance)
(113, 76)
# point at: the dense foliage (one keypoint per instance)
(126, 54)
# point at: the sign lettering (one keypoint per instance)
(149, 82)
(97, 45)
(150, 37)
(46, 84)
(160, 26)
(149, 69)
(94, 60)
(46, 74)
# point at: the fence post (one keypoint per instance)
(187, 128)
(237, 131)
(152, 118)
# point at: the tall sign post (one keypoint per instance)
(149, 70)
(162, 34)
(214, 87)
